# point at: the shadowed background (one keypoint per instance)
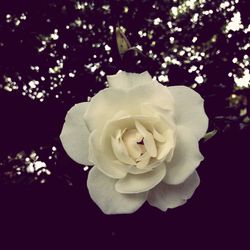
(54, 54)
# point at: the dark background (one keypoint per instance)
(54, 54)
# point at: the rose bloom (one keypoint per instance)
(142, 138)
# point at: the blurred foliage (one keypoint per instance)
(54, 54)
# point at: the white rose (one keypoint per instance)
(142, 139)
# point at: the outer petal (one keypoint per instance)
(124, 80)
(75, 134)
(103, 160)
(141, 182)
(103, 106)
(186, 158)
(102, 191)
(190, 110)
(109, 102)
(165, 196)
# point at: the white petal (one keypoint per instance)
(190, 110)
(158, 137)
(143, 160)
(134, 170)
(165, 196)
(154, 94)
(103, 106)
(186, 158)
(124, 80)
(148, 140)
(164, 148)
(166, 115)
(106, 104)
(102, 191)
(103, 160)
(169, 155)
(120, 151)
(130, 138)
(141, 182)
(75, 134)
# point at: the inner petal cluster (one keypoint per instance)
(141, 145)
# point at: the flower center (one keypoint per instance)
(141, 142)
(140, 145)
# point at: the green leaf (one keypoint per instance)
(209, 135)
